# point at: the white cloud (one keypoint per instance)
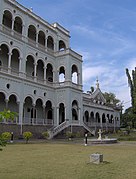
(91, 72)
(132, 64)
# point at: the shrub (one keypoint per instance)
(6, 136)
(45, 134)
(69, 134)
(27, 136)
(2, 143)
(78, 134)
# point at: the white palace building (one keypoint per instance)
(41, 78)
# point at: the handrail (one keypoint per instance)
(57, 129)
(87, 128)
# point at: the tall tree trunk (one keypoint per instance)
(132, 84)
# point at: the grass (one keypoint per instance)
(67, 161)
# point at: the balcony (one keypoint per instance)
(37, 121)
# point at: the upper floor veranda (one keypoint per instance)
(22, 23)
(29, 46)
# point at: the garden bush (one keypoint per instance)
(27, 136)
(45, 134)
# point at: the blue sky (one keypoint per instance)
(103, 32)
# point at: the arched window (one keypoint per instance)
(49, 110)
(39, 110)
(61, 113)
(49, 73)
(12, 103)
(62, 45)
(50, 43)
(74, 74)
(2, 101)
(4, 55)
(7, 19)
(61, 74)
(41, 38)
(18, 25)
(29, 111)
(40, 70)
(15, 61)
(86, 116)
(111, 119)
(30, 66)
(103, 118)
(74, 110)
(97, 117)
(92, 116)
(32, 32)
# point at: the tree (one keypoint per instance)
(7, 115)
(132, 85)
(111, 99)
(128, 118)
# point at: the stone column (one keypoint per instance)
(46, 43)
(35, 71)
(9, 62)
(20, 66)
(37, 39)
(21, 104)
(114, 119)
(79, 113)
(54, 76)
(34, 120)
(45, 74)
(13, 21)
(6, 101)
(53, 115)
(44, 114)
(101, 121)
(57, 116)
(65, 110)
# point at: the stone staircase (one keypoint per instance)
(55, 130)
(88, 129)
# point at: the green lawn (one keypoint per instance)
(67, 161)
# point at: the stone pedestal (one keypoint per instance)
(96, 158)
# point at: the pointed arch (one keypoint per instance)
(49, 110)
(32, 32)
(75, 110)
(61, 74)
(97, 116)
(7, 19)
(4, 55)
(103, 118)
(28, 110)
(61, 113)
(40, 70)
(39, 109)
(30, 66)
(12, 103)
(2, 101)
(41, 38)
(74, 74)
(86, 116)
(62, 45)
(15, 61)
(18, 24)
(50, 43)
(49, 73)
